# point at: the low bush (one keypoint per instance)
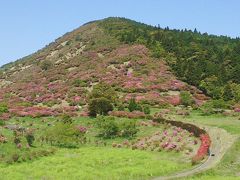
(66, 119)
(214, 106)
(134, 106)
(107, 127)
(64, 135)
(128, 128)
(30, 137)
(186, 98)
(120, 107)
(79, 83)
(2, 123)
(46, 64)
(130, 115)
(146, 109)
(3, 108)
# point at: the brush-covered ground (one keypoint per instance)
(118, 157)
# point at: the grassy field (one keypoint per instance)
(91, 161)
(96, 163)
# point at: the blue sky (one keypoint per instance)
(28, 25)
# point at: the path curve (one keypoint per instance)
(221, 141)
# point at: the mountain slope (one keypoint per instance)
(58, 77)
(210, 62)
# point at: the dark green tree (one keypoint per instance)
(99, 106)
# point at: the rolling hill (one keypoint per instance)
(58, 77)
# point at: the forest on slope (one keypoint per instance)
(212, 63)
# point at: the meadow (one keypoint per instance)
(99, 157)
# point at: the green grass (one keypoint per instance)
(95, 163)
(91, 161)
(229, 123)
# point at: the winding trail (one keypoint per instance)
(221, 142)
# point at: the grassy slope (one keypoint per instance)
(94, 162)
(91, 162)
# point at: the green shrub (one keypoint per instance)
(79, 83)
(66, 119)
(46, 64)
(146, 109)
(128, 128)
(186, 98)
(120, 107)
(107, 127)
(2, 123)
(63, 135)
(30, 137)
(3, 108)
(134, 106)
(99, 106)
(17, 137)
(101, 99)
(103, 90)
(215, 106)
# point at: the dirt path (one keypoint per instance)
(221, 142)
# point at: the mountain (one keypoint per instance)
(130, 56)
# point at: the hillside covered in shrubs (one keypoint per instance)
(60, 78)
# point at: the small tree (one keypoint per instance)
(101, 99)
(103, 90)
(228, 93)
(99, 106)
(45, 65)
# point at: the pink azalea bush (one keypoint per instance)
(131, 115)
(203, 150)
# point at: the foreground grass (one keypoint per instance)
(95, 163)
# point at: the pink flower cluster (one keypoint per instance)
(81, 129)
(131, 115)
(174, 100)
(5, 116)
(236, 108)
(173, 139)
(32, 111)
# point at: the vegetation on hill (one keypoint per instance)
(210, 62)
